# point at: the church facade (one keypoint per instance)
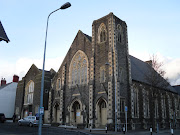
(98, 79)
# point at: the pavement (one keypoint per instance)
(130, 132)
(48, 129)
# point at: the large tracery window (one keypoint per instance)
(29, 93)
(102, 33)
(79, 69)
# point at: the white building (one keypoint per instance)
(8, 96)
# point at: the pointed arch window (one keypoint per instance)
(29, 93)
(135, 103)
(102, 33)
(119, 33)
(58, 84)
(78, 69)
(163, 104)
(146, 103)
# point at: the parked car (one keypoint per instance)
(29, 120)
(2, 117)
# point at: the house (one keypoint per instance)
(28, 93)
(7, 96)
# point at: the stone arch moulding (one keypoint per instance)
(56, 103)
(76, 100)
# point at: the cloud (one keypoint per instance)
(170, 65)
(22, 65)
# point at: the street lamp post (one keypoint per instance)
(66, 5)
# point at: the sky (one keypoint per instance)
(153, 28)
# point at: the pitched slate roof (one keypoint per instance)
(177, 87)
(89, 37)
(3, 35)
(1, 87)
(139, 69)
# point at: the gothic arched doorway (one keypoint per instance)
(75, 113)
(56, 113)
(101, 107)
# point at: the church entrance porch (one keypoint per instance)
(101, 113)
(56, 113)
(76, 116)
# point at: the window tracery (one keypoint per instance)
(78, 69)
(29, 92)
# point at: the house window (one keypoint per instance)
(102, 33)
(135, 102)
(78, 69)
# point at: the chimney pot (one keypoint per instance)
(3, 81)
(15, 78)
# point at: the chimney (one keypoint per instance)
(149, 62)
(15, 78)
(3, 81)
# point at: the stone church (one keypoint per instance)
(98, 79)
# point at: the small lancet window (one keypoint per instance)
(58, 84)
(119, 33)
(102, 33)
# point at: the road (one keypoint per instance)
(9, 128)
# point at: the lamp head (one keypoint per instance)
(66, 5)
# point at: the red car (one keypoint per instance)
(2, 117)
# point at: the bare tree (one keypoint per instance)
(155, 74)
